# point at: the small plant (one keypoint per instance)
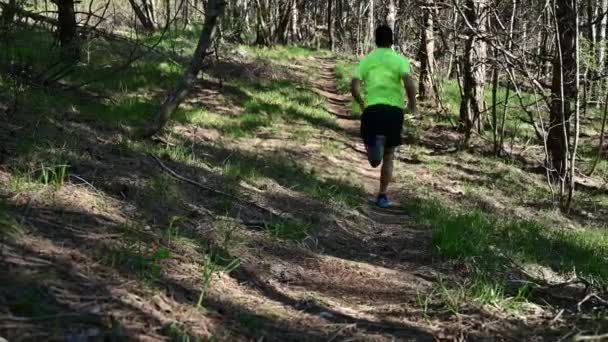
(423, 300)
(178, 333)
(172, 232)
(146, 264)
(289, 230)
(452, 297)
(8, 227)
(227, 231)
(53, 175)
(213, 264)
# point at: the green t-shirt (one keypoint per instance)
(381, 72)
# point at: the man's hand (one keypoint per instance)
(410, 89)
(355, 90)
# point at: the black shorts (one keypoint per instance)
(382, 120)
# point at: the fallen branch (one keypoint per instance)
(591, 296)
(210, 189)
(341, 330)
(591, 337)
(85, 317)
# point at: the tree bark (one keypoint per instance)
(295, 32)
(262, 36)
(600, 148)
(283, 29)
(330, 29)
(474, 69)
(66, 18)
(563, 88)
(214, 10)
(427, 52)
(167, 13)
(391, 16)
(572, 172)
(8, 14)
(370, 25)
(142, 16)
(601, 48)
(150, 12)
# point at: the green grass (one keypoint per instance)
(344, 71)
(9, 229)
(163, 193)
(213, 263)
(178, 333)
(289, 173)
(136, 253)
(32, 302)
(489, 244)
(288, 230)
(44, 174)
(284, 53)
(115, 94)
(265, 105)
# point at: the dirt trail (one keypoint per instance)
(360, 278)
(369, 277)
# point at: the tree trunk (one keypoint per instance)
(600, 148)
(474, 69)
(214, 10)
(295, 32)
(186, 13)
(284, 19)
(427, 52)
(330, 30)
(8, 14)
(262, 37)
(563, 88)
(66, 18)
(167, 13)
(142, 17)
(572, 172)
(150, 12)
(391, 16)
(601, 48)
(370, 25)
(339, 24)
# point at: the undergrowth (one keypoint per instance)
(494, 247)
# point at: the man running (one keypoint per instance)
(384, 74)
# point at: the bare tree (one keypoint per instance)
(563, 90)
(474, 69)
(146, 15)
(214, 10)
(426, 53)
(370, 25)
(67, 29)
(391, 14)
(330, 27)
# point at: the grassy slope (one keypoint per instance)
(176, 236)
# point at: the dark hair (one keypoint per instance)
(384, 36)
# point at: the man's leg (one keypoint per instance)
(386, 174)
(375, 150)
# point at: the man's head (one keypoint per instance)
(384, 37)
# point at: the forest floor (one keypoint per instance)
(252, 219)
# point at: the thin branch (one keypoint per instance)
(210, 189)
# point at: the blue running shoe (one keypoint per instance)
(383, 202)
(375, 150)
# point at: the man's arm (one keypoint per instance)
(410, 89)
(355, 90)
